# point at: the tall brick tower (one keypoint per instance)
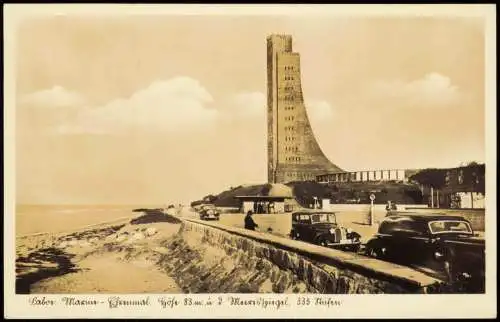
(292, 150)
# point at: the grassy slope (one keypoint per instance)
(304, 191)
(227, 198)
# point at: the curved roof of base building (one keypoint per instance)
(280, 190)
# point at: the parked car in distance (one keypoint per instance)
(209, 211)
(444, 243)
(321, 228)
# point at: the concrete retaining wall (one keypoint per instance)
(321, 269)
(229, 210)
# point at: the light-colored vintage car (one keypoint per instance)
(209, 211)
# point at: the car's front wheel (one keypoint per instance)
(375, 251)
(322, 242)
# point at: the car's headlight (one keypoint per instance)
(466, 275)
(332, 231)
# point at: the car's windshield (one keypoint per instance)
(323, 218)
(450, 226)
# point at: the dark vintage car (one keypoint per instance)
(321, 228)
(445, 244)
(209, 211)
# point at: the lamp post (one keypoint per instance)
(372, 198)
(432, 197)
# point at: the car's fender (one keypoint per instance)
(354, 235)
(373, 243)
(321, 236)
(295, 234)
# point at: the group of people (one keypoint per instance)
(258, 208)
(262, 208)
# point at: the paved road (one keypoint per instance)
(280, 224)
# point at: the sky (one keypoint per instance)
(163, 109)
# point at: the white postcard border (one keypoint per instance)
(351, 306)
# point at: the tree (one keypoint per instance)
(435, 178)
(474, 176)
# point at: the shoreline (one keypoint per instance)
(74, 230)
(84, 259)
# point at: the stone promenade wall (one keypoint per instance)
(322, 270)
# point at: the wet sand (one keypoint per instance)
(96, 260)
(108, 274)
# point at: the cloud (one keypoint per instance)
(177, 104)
(248, 104)
(433, 90)
(253, 104)
(54, 97)
(319, 111)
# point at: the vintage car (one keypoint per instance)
(321, 228)
(209, 211)
(445, 244)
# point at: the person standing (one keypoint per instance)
(271, 207)
(388, 208)
(249, 223)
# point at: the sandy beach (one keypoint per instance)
(117, 256)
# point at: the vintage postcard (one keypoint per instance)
(250, 161)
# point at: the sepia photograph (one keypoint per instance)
(264, 153)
